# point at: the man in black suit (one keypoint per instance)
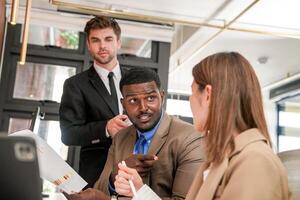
(90, 110)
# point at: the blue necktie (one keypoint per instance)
(140, 143)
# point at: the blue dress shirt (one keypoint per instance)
(148, 136)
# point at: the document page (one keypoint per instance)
(52, 167)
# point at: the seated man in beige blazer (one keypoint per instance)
(165, 150)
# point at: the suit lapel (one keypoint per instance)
(158, 141)
(160, 136)
(212, 181)
(101, 89)
(129, 143)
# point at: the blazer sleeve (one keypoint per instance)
(74, 127)
(189, 161)
(253, 176)
(103, 181)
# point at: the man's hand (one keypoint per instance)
(142, 163)
(126, 174)
(117, 123)
(88, 194)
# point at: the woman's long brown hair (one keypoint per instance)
(236, 101)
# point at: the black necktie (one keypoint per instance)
(113, 92)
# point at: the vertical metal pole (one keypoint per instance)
(25, 33)
(14, 12)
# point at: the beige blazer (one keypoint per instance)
(178, 147)
(251, 172)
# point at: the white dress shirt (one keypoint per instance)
(103, 74)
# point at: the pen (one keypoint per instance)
(130, 181)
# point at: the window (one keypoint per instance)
(135, 47)
(49, 130)
(179, 105)
(289, 124)
(36, 81)
(18, 124)
(52, 36)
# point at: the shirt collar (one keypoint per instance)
(149, 134)
(103, 72)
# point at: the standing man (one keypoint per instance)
(90, 110)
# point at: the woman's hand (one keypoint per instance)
(122, 180)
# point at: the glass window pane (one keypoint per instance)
(18, 124)
(135, 47)
(287, 143)
(289, 119)
(35, 81)
(289, 124)
(179, 107)
(45, 36)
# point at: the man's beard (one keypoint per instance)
(104, 61)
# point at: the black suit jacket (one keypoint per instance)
(85, 108)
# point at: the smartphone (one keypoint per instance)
(19, 169)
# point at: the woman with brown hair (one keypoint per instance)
(227, 107)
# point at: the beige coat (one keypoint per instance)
(178, 148)
(251, 172)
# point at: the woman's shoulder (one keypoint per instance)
(252, 144)
(257, 156)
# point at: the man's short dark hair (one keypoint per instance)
(101, 22)
(139, 75)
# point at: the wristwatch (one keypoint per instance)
(114, 197)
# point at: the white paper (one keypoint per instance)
(52, 167)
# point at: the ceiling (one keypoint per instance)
(273, 18)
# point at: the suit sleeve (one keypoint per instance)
(103, 181)
(74, 126)
(189, 161)
(254, 176)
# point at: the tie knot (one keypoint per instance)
(110, 75)
(142, 137)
